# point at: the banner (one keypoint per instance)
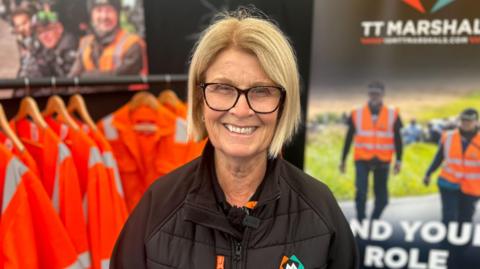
(419, 58)
(70, 38)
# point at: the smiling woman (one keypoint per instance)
(240, 205)
(238, 130)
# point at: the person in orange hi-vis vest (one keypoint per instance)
(459, 179)
(31, 233)
(58, 175)
(375, 130)
(110, 50)
(147, 144)
(97, 191)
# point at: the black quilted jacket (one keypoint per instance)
(178, 224)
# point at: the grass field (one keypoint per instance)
(323, 152)
(452, 108)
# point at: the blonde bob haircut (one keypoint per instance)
(266, 41)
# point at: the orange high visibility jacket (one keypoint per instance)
(460, 166)
(119, 206)
(24, 156)
(31, 233)
(193, 150)
(144, 156)
(180, 109)
(374, 139)
(107, 157)
(97, 191)
(113, 54)
(59, 177)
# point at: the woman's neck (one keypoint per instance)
(239, 178)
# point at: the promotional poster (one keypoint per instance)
(71, 38)
(394, 95)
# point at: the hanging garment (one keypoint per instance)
(180, 109)
(59, 177)
(110, 163)
(147, 143)
(24, 156)
(97, 191)
(31, 233)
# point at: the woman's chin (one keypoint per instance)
(241, 152)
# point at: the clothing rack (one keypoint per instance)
(54, 82)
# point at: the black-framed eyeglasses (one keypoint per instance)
(261, 99)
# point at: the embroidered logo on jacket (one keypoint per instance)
(291, 263)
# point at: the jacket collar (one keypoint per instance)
(107, 38)
(164, 120)
(201, 200)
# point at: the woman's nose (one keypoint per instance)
(242, 108)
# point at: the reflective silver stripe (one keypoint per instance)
(84, 44)
(385, 147)
(386, 134)
(63, 153)
(467, 163)
(111, 132)
(105, 264)
(453, 161)
(448, 145)
(34, 133)
(475, 176)
(117, 55)
(374, 146)
(181, 131)
(391, 118)
(461, 175)
(472, 163)
(359, 120)
(85, 207)
(56, 191)
(455, 174)
(111, 163)
(94, 158)
(75, 265)
(13, 174)
(85, 259)
(364, 133)
(63, 132)
(360, 131)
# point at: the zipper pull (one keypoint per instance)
(238, 251)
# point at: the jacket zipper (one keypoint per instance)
(236, 254)
(238, 247)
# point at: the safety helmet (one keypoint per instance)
(114, 3)
(469, 114)
(376, 87)
(45, 17)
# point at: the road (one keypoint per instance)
(409, 208)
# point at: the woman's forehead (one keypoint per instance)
(234, 65)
